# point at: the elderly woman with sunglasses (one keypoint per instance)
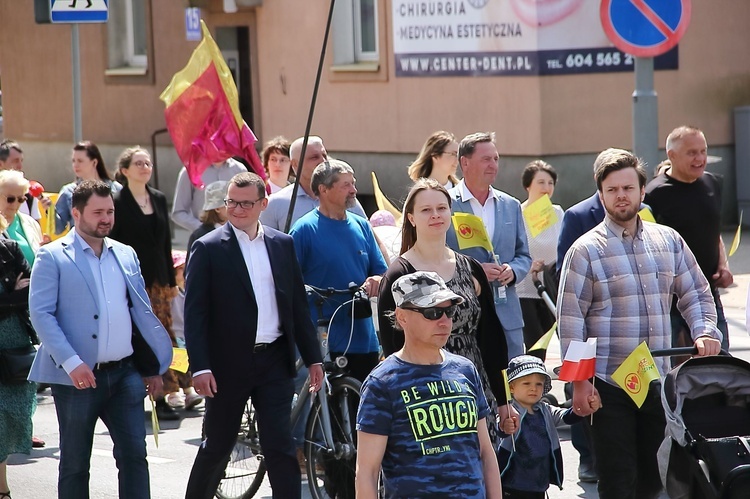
(21, 228)
(477, 333)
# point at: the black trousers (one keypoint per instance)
(626, 439)
(268, 382)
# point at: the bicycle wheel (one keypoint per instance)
(246, 468)
(331, 472)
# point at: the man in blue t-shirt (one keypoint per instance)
(336, 248)
(421, 415)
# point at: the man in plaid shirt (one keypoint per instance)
(617, 285)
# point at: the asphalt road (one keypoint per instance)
(35, 476)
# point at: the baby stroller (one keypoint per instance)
(706, 450)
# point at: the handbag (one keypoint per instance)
(15, 364)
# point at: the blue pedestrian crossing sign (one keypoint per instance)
(79, 11)
(645, 28)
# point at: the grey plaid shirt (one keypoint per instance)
(618, 288)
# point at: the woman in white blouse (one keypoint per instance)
(539, 179)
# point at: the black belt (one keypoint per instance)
(104, 366)
(262, 347)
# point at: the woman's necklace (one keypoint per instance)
(145, 203)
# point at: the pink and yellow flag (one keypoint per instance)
(203, 113)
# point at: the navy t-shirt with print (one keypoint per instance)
(429, 414)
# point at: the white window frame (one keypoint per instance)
(347, 34)
(121, 38)
(133, 59)
(359, 53)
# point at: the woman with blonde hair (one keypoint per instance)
(17, 400)
(477, 333)
(20, 227)
(438, 159)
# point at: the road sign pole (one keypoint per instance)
(645, 113)
(76, 56)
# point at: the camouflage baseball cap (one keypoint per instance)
(423, 290)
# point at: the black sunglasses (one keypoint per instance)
(13, 199)
(434, 313)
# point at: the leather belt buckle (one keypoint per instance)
(260, 347)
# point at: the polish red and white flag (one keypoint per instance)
(580, 361)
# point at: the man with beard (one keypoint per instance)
(102, 347)
(336, 248)
(617, 285)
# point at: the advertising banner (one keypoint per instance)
(505, 37)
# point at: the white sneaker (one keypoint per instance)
(175, 400)
(192, 400)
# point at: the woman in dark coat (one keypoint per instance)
(17, 401)
(142, 221)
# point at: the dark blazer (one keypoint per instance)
(153, 247)
(13, 264)
(578, 220)
(221, 314)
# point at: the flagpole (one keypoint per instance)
(301, 163)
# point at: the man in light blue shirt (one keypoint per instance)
(278, 204)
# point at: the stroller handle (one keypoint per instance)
(669, 352)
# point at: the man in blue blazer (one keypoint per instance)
(102, 347)
(503, 221)
(245, 312)
(578, 220)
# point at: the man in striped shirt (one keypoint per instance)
(617, 285)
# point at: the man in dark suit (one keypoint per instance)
(578, 220)
(245, 311)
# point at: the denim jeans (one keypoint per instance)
(118, 401)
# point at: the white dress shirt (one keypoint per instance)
(115, 326)
(258, 266)
(486, 212)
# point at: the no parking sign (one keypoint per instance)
(645, 28)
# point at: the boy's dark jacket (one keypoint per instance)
(552, 416)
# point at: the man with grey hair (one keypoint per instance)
(688, 198)
(510, 260)
(188, 199)
(307, 200)
(336, 248)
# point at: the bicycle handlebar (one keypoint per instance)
(328, 292)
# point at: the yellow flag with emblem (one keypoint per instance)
(179, 360)
(636, 373)
(470, 231)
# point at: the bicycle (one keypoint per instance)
(330, 436)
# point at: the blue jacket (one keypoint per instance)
(578, 220)
(510, 244)
(64, 307)
(552, 416)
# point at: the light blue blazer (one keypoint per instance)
(64, 309)
(509, 242)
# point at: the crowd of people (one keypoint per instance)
(434, 415)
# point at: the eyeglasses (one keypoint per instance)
(245, 205)
(13, 199)
(454, 154)
(435, 313)
(143, 164)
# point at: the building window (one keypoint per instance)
(127, 34)
(355, 32)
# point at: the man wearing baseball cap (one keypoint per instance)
(421, 416)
